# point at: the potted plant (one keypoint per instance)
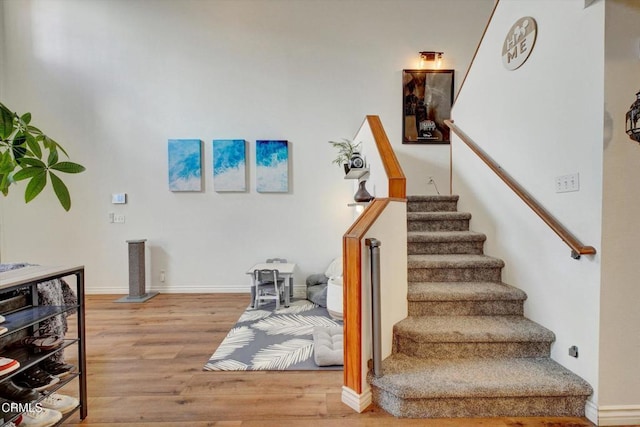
(22, 151)
(346, 149)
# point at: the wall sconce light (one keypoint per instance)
(429, 56)
(633, 116)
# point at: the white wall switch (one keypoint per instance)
(119, 198)
(567, 183)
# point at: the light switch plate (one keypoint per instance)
(567, 183)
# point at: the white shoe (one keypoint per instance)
(41, 418)
(8, 365)
(60, 402)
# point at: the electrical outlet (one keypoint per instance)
(568, 183)
(118, 219)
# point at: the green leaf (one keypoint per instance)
(4, 184)
(26, 173)
(30, 161)
(6, 122)
(35, 186)
(7, 164)
(53, 145)
(33, 145)
(26, 118)
(61, 191)
(34, 129)
(18, 147)
(53, 156)
(68, 167)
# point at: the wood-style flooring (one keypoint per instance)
(145, 369)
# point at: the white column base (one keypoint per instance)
(357, 402)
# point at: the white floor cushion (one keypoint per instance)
(328, 345)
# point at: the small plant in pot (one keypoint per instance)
(346, 149)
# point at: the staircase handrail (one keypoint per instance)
(352, 301)
(395, 175)
(352, 254)
(577, 248)
(376, 304)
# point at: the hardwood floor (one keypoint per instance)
(145, 369)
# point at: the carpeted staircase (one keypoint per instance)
(466, 350)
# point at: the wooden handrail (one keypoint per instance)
(577, 248)
(395, 175)
(352, 255)
(352, 292)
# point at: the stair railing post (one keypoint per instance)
(376, 323)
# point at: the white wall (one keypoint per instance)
(619, 340)
(541, 121)
(113, 80)
(1, 48)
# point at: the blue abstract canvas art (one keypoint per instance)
(272, 166)
(185, 165)
(229, 160)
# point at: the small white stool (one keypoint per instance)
(334, 297)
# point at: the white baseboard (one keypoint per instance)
(619, 415)
(357, 402)
(591, 412)
(298, 291)
(96, 290)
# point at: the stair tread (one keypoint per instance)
(504, 328)
(463, 291)
(445, 236)
(432, 198)
(438, 216)
(452, 261)
(414, 378)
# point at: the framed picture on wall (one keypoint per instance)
(185, 165)
(229, 165)
(272, 166)
(427, 97)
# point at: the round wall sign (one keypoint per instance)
(519, 43)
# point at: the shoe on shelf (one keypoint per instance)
(43, 417)
(35, 378)
(57, 369)
(15, 393)
(14, 423)
(40, 343)
(8, 365)
(60, 402)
